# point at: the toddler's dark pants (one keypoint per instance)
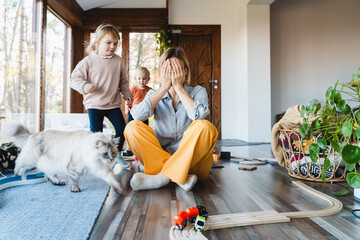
(130, 118)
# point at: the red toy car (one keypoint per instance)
(193, 212)
(180, 220)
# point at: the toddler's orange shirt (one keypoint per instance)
(139, 94)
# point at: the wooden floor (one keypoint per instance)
(149, 214)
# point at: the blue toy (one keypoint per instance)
(13, 181)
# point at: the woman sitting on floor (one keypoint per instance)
(180, 147)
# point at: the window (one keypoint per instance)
(18, 87)
(143, 54)
(57, 72)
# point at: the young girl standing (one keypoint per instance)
(101, 79)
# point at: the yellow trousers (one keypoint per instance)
(194, 154)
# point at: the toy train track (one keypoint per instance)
(261, 217)
(19, 180)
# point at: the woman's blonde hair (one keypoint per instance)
(144, 70)
(180, 54)
(100, 32)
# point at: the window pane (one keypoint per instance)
(143, 54)
(55, 59)
(17, 64)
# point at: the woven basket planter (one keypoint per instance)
(298, 162)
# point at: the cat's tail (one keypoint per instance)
(16, 133)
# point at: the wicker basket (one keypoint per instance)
(298, 162)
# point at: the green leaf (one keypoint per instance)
(304, 122)
(327, 164)
(342, 104)
(351, 153)
(318, 107)
(350, 166)
(353, 78)
(302, 111)
(332, 97)
(358, 73)
(346, 110)
(315, 148)
(317, 124)
(357, 132)
(336, 146)
(313, 125)
(302, 131)
(310, 134)
(321, 142)
(341, 193)
(353, 179)
(323, 178)
(313, 155)
(347, 129)
(357, 116)
(328, 92)
(337, 98)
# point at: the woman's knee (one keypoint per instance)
(205, 125)
(132, 127)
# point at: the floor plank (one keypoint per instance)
(149, 214)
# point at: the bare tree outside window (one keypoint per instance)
(17, 64)
(143, 54)
(55, 65)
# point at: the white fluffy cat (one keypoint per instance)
(74, 153)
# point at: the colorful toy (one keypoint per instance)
(261, 217)
(180, 220)
(13, 181)
(193, 212)
(199, 224)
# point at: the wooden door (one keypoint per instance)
(202, 46)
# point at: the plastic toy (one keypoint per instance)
(193, 212)
(261, 217)
(180, 220)
(199, 224)
(13, 181)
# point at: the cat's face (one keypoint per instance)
(107, 151)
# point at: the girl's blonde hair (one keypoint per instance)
(100, 32)
(144, 70)
(180, 54)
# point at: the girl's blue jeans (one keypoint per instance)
(114, 115)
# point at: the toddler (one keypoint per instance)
(139, 91)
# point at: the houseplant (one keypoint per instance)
(338, 121)
(163, 40)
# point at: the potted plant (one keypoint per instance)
(338, 121)
(163, 40)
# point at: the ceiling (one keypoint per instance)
(89, 4)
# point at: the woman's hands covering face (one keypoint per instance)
(165, 74)
(177, 72)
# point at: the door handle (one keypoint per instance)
(214, 81)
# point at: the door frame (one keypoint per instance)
(215, 32)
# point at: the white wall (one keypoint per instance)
(259, 84)
(239, 96)
(313, 44)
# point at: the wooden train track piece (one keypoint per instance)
(252, 163)
(261, 217)
(335, 206)
(247, 168)
(188, 233)
(244, 219)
